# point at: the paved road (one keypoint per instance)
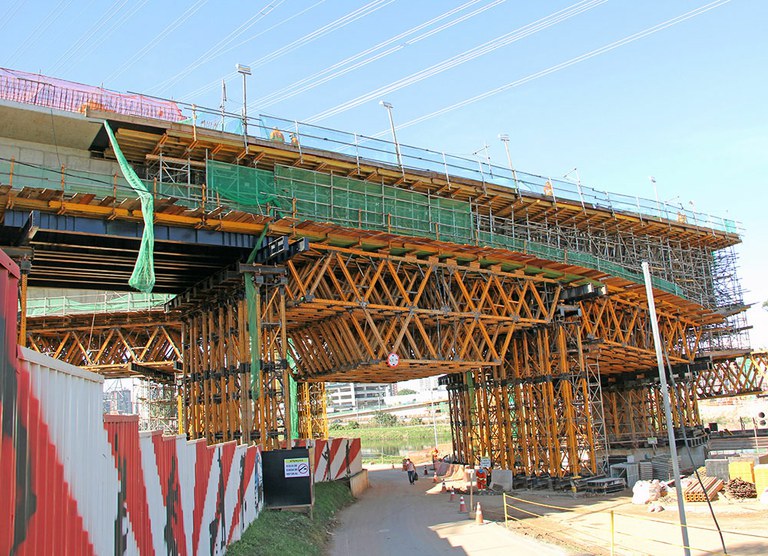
(395, 518)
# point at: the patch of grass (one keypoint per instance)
(283, 532)
(407, 434)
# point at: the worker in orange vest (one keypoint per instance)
(435, 453)
(482, 478)
(277, 136)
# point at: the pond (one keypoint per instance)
(373, 449)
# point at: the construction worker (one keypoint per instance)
(294, 140)
(277, 136)
(482, 478)
(435, 453)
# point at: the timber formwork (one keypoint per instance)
(542, 377)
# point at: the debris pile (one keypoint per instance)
(739, 488)
(645, 492)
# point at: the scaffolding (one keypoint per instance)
(157, 405)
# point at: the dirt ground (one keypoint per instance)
(582, 524)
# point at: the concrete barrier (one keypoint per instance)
(358, 483)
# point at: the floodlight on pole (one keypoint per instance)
(244, 70)
(388, 106)
(578, 184)
(656, 193)
(504, 138)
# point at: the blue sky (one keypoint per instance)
(684, 104)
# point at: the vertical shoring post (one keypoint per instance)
(286, 370)
(246, 406)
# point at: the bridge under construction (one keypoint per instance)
(337, 257)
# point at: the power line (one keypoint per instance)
(52, 16)
(563, 65)
(8, 16)
(154, 42)
(99, 32)
(320, 32)
(214, 84)
(216, 49)
(490, 46)
(362, 58)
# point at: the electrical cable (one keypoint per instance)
(8, 15)
(214, 84)
(47, 21)
(362, 58)
(98, 35)
(216, 49)
(154, 42)
(552, 69)
(316, 34)
(466, 56)
(84, 38)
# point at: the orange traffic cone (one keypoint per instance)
(434, 477)
(479, 515)
(443, 489)
(453, 494)
(462, 505)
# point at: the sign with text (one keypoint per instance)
(296, 467)
(485, 462)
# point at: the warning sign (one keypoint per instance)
(296, 467)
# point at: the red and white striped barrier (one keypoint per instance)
(76, 482)
(337, 458)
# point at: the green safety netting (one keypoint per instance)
(244, 188)
(143, 276)
(310, 195)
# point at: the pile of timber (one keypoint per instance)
(695, 493)
(738, 488)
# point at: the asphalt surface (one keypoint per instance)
(395, 518)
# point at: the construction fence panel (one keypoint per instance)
(336, 458)
(76, 482)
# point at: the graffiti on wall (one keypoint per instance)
(77, 482)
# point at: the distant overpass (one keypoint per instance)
(407, 409)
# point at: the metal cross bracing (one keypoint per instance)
(144, 343)
(623, 326)
(734, 376)
(349, 309)
(634, 412)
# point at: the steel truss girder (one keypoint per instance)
(350, 309)
(734, 376)
(110, 349)
(622, 330)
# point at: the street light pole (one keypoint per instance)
(244, 70)
(504, 138)
(389, 107)
(667, 406)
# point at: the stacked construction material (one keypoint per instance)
(742, 468)
(738, 488)
(717, 468)
(646, 471)
(695, 493)
(761, 478)
(662, 466)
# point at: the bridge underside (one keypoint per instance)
(543, 377)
